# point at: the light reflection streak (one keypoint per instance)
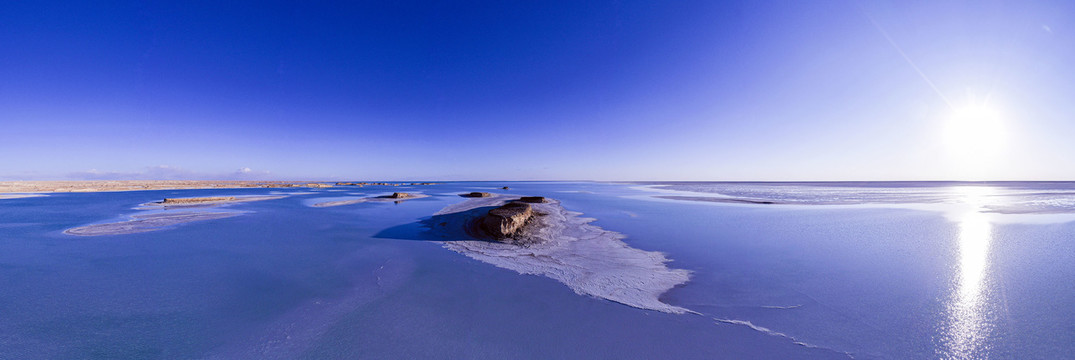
(968, 316)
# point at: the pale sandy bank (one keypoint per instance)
(396, 197)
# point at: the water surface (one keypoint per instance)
(827, 271)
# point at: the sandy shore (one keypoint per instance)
(130, 185)
(19, 196)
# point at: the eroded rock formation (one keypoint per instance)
(400, 195)
(506, 221)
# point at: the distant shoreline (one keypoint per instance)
(129, 185)
(24, 187)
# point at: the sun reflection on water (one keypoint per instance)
(968, 309)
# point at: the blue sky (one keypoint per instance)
(507, 90)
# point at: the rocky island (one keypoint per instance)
(505, 222)
(536, 235)
(401, 195)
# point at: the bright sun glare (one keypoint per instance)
(974, 135)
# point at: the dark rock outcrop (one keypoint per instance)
(505, 222)
(532, 199)
(477, 194)
(400, 195)
(506, 188)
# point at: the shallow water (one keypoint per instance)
(288, 280)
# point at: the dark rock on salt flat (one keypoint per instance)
(532, 199)
(400, 195)
(477, 194)
(561, 245)
(506, 188)
(505, 222)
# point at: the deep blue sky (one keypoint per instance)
(616, 90)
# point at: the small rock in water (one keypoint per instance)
(477, 194)
(506, 188)
(400, 195)
(532, 199)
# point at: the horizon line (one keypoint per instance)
(553, 180)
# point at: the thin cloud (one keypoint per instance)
(250, 174)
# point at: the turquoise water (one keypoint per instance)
(867, 278)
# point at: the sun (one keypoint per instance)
(974, 134)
